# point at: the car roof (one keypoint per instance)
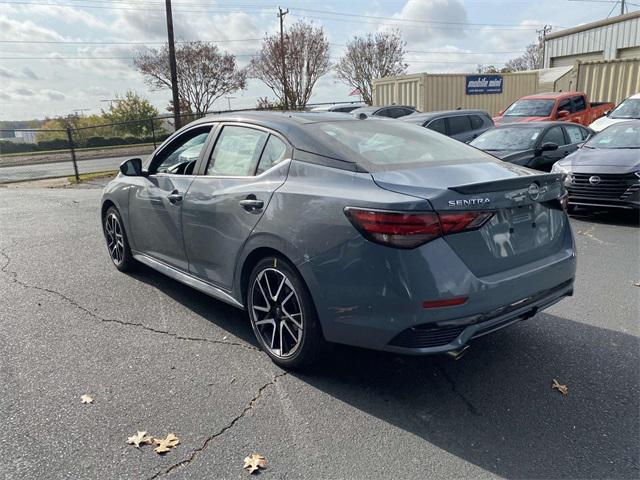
(636, 96)
(375, 108)
(536, 124)
(328, 108)
(441, 113)
(550, 95)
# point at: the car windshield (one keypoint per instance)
(621, 135)
(530, 108)
(630, 108)
(507, 138)
(383, 144)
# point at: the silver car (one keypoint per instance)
(329, 228)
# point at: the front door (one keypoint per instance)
(546, 160)
(155, 202)
(225, 202)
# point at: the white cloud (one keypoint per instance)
(53, 95)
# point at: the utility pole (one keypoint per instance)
(229, 101)
(281, 14)
(621, 7)
(172, 66)
(542, 38)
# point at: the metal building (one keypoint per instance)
(609, 39)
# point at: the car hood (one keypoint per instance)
(604, 160)
(604, 122)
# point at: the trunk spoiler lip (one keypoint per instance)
(509, 183)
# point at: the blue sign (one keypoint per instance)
(483, 84)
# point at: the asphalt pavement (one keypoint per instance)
(158, 356)
(58, 169)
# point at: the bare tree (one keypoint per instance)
(531, 59)
(204, 73)
(370, 57)
(306, 55)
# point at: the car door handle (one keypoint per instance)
(252, 204)
(175, 197)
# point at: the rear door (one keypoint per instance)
(438, 125)
(576, 136)
(580, 111)
(459, 127)
(155, 201)
(234, 185)
(479, 125)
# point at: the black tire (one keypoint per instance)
(309, 346)
(113, 229)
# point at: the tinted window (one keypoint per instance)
(379, 145)
(579, 104)
(459, 124)
(554, 135)
(565, 105)
(476, 122)
(575, 133)
(398, 112)
(384, 112)
(274, 152)
(237, 151)
(438, 125)
(530, 108)
(185, 148)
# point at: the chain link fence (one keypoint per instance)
(34, 154)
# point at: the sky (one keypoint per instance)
(46, 70)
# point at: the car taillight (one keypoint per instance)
(409, 229)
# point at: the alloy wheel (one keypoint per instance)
(276, 312)
(115, 240)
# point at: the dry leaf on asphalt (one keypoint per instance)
(165, 444)
(254, 462)
(86, 399)
(140, 438)
(561, 388)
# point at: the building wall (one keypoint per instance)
(611, 81)
(606, 40)
(431, 92)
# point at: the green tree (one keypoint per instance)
(134, 109)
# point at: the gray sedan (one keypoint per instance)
(329, 228)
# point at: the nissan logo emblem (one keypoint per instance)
(594, 180)
(534, 191)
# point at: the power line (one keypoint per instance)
(78, 42)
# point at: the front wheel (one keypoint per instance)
(117, 242)
(282, 314)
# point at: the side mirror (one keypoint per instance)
(606, 114)
(563, 114)
(131, 167)
(548, 147)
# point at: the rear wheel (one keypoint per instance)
(282, 314)
(117, 243)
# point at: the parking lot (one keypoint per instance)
(158, 356)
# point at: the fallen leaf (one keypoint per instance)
(86, 399)
(254, 462)
(140, 438)
(561, 388)
(165, 444)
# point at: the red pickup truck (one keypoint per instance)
(568, 106)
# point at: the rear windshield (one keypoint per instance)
(530, 108)
(507, 138)
(389, 144)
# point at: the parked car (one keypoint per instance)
(628, 109)
(463, 125)
(338, 107)
(391, 111)
(365, 232)
(535, 145)
(605, 172)
(565, 106)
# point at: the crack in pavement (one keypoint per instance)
(14, 277)
(236, 419)
(470, 406)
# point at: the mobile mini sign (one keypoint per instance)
(483, 84)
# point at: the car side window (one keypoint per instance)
(182, 151)
(237, 151)
(565, 105)
(384, 112)
(554, 135)
(579, 103)
(397, 112)
(476, 122)
(459, 124)
(275, 151)
(438, 125)
(575, 133)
